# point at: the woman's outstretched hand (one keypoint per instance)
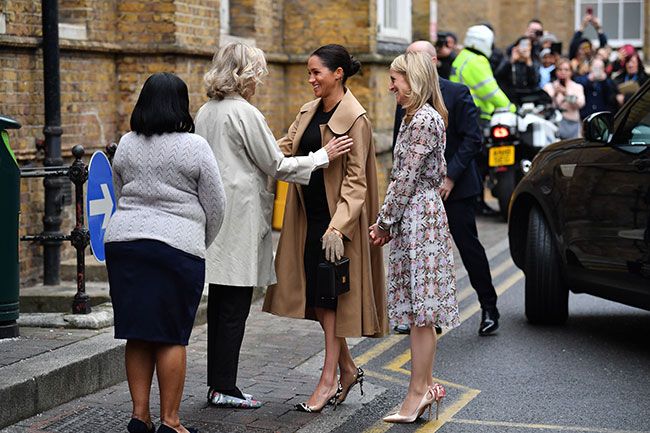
(378, 237)
(337, 146)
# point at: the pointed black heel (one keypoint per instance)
(358, 378)
(304, 407)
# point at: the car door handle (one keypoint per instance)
(641, 163)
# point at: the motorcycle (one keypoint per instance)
(513, 140)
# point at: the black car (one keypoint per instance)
(580, 219)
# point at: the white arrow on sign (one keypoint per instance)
(102, 205)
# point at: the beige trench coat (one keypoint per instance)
(246, 151)
(351, 188)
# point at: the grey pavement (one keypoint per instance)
(45, 374)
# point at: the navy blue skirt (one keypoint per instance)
(155, 290)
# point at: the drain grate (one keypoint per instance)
(88, 419)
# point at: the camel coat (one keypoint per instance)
(351, 188)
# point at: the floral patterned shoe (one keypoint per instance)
(223, 400)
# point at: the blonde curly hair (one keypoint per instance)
(234, 67)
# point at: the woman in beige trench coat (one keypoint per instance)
(350, 201)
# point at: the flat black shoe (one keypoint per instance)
(139, 426)
(166, 429)
(489, 321)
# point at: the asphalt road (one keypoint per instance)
(590, 375)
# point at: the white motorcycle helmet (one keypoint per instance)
(480, 38)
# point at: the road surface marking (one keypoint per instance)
(552, 427)
(378, 349)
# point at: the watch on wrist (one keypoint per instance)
(383, 226)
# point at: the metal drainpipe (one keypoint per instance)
(52, 131)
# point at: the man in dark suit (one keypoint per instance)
(461, 187)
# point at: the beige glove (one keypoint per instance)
(333, 245)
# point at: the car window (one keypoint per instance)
(634, 129)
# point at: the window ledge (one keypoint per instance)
(77, 32)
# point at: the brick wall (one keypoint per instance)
(420, 19)
(310, 24)
(23, 17)
(197, 22)
(146, 21)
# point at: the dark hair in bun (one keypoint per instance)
(336, 56)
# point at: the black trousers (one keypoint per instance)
(462, 224)
(228, 308)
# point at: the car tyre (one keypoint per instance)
(547, 297)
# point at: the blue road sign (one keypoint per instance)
(100, 202)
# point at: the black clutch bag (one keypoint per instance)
(333, 279)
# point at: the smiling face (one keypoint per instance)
(399, 86)
(323, 81)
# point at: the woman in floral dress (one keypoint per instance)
(421, 277)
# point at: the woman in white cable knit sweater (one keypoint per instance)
(170, 206)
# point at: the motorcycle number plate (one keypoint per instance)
(501, 155)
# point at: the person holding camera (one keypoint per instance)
(569, 97)
(630, 78)
(534, 32)
(580, 49)
(600, 90)
(518, 76)
(446, 54)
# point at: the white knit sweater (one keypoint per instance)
(168, 188)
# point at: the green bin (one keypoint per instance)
(9, 210)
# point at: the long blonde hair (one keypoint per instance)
(234, 67)
(421, 75)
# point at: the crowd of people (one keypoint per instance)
(200, 184)
(582, 80)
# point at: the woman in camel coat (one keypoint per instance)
(350, 186)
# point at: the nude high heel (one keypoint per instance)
(427, 399)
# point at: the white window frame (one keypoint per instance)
(403, 32)
(224, 24)
(224, 17)
(613, 40)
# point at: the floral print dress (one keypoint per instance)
(421, 275)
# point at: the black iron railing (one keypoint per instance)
(79, 237)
